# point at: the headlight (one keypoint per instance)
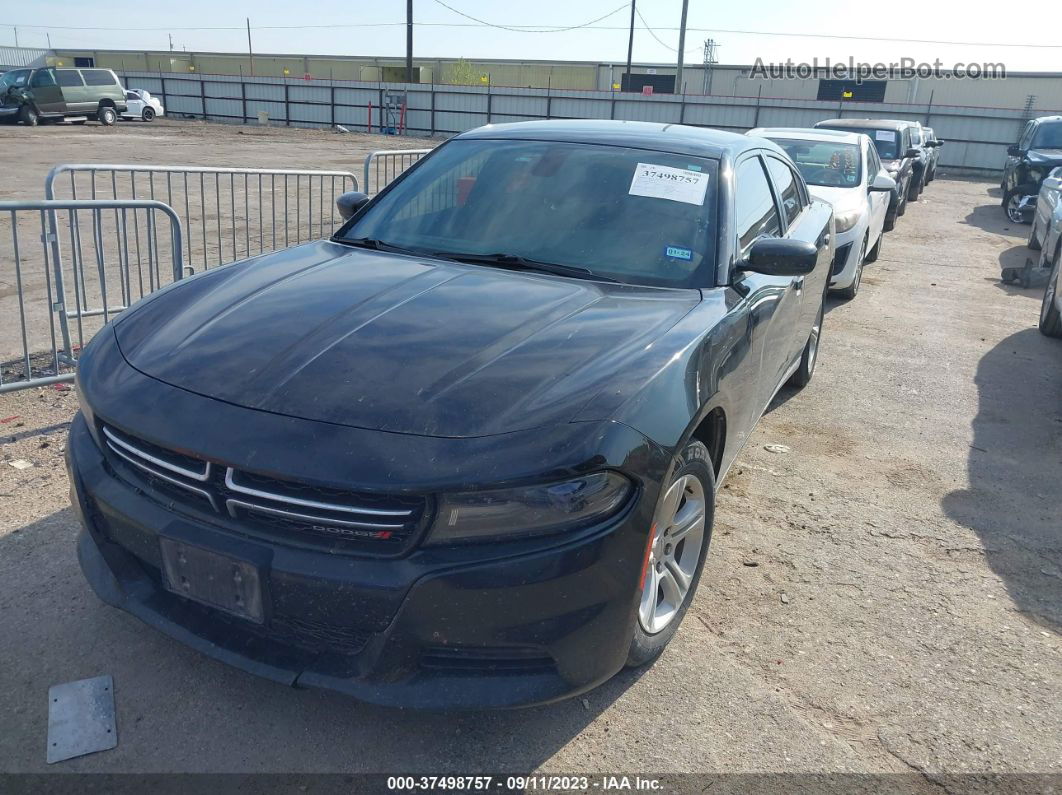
(531, 510)
(845, 221)
(1035, 175)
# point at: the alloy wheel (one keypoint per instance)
(1014, 209)
(674, 554)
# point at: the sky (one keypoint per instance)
(745, 31)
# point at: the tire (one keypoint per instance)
(689, 494)
(890, 221)
(28, 115)
(1034, 242)
(810, 357)
(901, 206)
(1050, 319)
(107, 116)
(1010, 205)
(852, 290)
(874, 253)
(148, 114)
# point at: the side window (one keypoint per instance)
(873, 161)
(755, 210)
(98, 77)
(68, 77)
(43, 78)
(131, 95)
(1026, 135)
(788, 191)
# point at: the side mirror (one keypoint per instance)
(882, 182)
(779, 256)
(940, 142)
(350, 202)
(912, 152)
(1014, 150)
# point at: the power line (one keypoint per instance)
(526, 29)
(557, 29)
(658, 40)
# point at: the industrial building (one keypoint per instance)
(1036, 92)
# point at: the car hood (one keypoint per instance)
(396, 343)
(842, 199)
(1045, 157)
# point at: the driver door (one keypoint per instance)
(47, 95)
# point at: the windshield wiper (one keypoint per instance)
(377, 245)
(516, 262)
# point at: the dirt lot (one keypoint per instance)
(885, 597)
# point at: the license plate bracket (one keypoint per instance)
(212, 578)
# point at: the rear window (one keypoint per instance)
(99, 77)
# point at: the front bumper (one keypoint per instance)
(846, 257)
(429, 630)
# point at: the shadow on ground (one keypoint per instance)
(178, 710)
(991, 218)
(1015, 472)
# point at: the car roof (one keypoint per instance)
(864, 124)
(1040, 119)
(807, 134)
(696, 141)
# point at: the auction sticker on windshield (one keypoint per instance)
(665, 182)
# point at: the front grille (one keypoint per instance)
(840, 257)
(297, 513)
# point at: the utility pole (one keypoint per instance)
(171, 42)
(679, 89)
(250, 52)
(49, 37)
(409, 41)
(16, 37)
(630, 47)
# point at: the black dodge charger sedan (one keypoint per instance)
(464, 453)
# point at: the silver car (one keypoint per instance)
(1051, 257)
(1046, 204)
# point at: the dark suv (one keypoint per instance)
(898, 153)
(34, 95)
(1037, 152)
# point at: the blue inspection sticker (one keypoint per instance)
(676, 252)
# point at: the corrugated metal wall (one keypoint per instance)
(976, 137)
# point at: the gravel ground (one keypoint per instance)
(884, 597)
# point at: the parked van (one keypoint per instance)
(35, 95)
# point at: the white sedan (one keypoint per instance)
(141, 105)
(843, 169)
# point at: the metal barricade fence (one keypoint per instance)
(228, 213)
(120, 252)
(381, 168)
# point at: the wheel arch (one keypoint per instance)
(711, 432)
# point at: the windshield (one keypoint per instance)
(825, 163)
(1049, 136)
(885, 141)
(636, 216)
(15, 78)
